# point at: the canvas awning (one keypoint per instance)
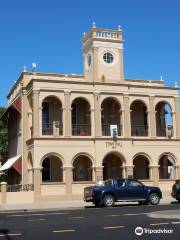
(14, 162)
(16, 104)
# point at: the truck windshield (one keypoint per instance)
(108, 183)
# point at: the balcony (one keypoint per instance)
(106, 129)
(55, 129)
(81, 129)
(139, 130)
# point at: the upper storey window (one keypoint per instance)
(108, 57)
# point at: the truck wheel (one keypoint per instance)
(108, 201)
(154, 199)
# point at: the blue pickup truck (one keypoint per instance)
(115, 190)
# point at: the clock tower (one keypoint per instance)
(103, 55)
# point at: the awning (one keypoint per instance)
(14, 162)
(16, 104)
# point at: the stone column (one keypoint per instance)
(37, 183)
(24, 135)
(3, 192)
(121, 65)
(36, 113)
(155, 175)
(177, 116)
(152, 118)
(95, 65)
(178, 172)
(99, 174)
(127, 124)
(174, 131)
(92, 122)
(123, 172)
(97, 115)
(68, 179)
(67, 118)
(129, 171)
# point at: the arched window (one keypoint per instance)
(139, 122)
(81, 117)
(141, 167)
(52, 116)
(164, 122)
(111, 117)
(52, 169)
(112, 167)
(166, 167)
(82, 170)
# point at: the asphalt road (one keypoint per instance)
(89, 223)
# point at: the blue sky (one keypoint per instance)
(49, 32)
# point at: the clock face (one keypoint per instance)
(108, 57)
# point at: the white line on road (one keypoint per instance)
(134, 214)
(6, 235)
(115, 215)
(64, 231)
(36, 220)
(75, 217)
(114, 227)
(175, 222)
(157, 224)
(35, 214)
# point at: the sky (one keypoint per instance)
(49, 32)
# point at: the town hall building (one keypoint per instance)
(69, 131)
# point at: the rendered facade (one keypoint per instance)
(69, 131)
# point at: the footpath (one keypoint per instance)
(74, 204)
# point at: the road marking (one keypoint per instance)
(114, 227)
(115, 215)
(35, 214)
(10, 234)
(175, 222)
(156, 224)
(75, 217)
(134, 214)
(36, 220)
(64, 231)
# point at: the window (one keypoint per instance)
(45, 113)
(133, 183)
(121, 183)
(46, 170)
(108, 57)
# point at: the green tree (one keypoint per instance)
(3, 137)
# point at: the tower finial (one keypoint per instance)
(161, 78)
(119, 28)
(24, 69)
(175, 84)
(94, 25)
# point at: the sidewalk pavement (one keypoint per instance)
(74, 204)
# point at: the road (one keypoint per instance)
(89, 223)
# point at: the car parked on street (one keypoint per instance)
(176, 190)
(128, 190)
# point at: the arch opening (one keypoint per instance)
(52, 169)
(139, 120)
(166, 167)
(82, 169)
(141, 167)
(164, 121)
(112, 167)
(81, 117)
(111, 117)
(52, 119)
